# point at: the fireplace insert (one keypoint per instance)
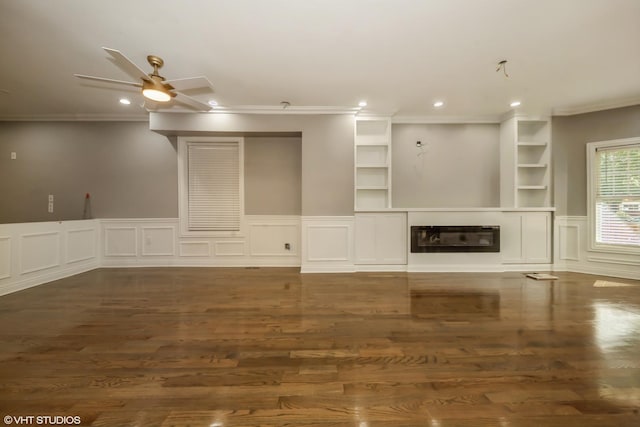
(455, 238)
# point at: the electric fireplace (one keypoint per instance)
(455, 238)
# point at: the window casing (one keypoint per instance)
(613, 169)
(210, 185)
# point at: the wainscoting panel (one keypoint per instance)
(39, 251)
(81, 245)
(120, 241)
(5, 257)
(327, 244)
(228, 248)
(195, 249)
(571, 246)
(271, 239)
(569, 242)
(261, 243)
(158, 241)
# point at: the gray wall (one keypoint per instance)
(458, 165)
(130, 172)
(272, 172)
(327, 149)
(570, 134)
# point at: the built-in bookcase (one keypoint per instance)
(372, 163)
(525, 167)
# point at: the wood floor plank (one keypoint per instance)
(272, 347)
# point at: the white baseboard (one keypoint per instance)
(23, 284)
(381, 267)
(455, 268)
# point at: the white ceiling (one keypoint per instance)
(564, 56)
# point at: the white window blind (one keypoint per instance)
(617, 195)
(213, 186)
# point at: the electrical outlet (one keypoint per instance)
(14, 155)
(50, 207)
(50, 198)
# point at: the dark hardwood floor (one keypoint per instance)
(217, 347)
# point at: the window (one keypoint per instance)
(210, 186)
(614, 195)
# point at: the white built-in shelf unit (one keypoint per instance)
(525, 155)
(372, 163)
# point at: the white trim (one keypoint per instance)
(588, 262)
(592, 148)
(76, 118)
(84, 258)
(491, 119)
(323, 251)
(217, 251)
(108, 253)
(27, 268)
(451, 268)
(280, 110)
(612, 261)
(199, 243)
(597, 106)
(9, 258)
(381, 267)
(43, 267)
(143, 238)
(562, 255)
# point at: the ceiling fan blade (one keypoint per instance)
(102, 79)
(191, 102)
(191, 83)
(126, 65)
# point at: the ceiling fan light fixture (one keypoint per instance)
(155, 92)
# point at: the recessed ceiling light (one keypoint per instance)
(515, 104)
(125, 101)
(438, 104)
(362, 104)
(213, 102)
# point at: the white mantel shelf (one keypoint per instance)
(500, 209)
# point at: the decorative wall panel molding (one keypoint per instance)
(263, 243)
(36, 253)
(39, 251)
(327, 244)
(572, 252)
(5, 257)
(227, 249)
(120, 241)
(195, 249)
(158, 241)
(81, 245)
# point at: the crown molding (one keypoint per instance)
(597, 106)
(277, 109)
(76, 118)
(491, 119)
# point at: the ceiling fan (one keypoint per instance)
(154, 86)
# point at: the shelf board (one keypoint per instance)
(372, 144)
(372, 165)
(372, 187)
(532, 187)
(532, 165)
(532, 144)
